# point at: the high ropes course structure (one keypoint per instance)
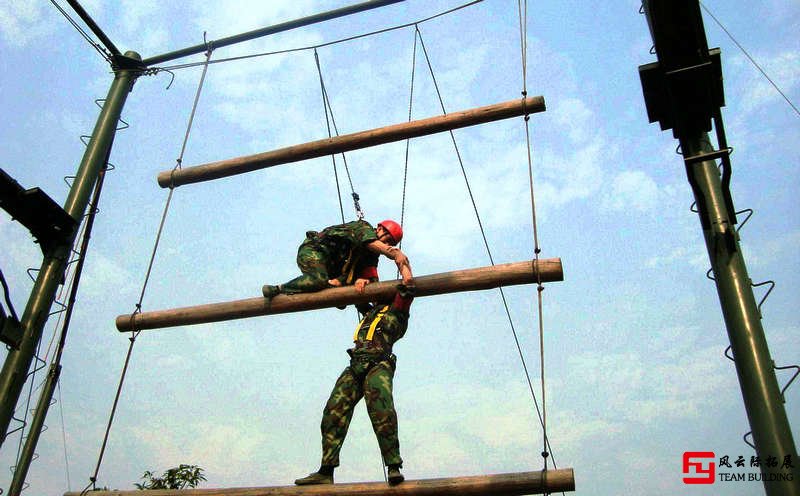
(682, 91)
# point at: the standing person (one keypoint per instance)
(345, 254)
(369, 375)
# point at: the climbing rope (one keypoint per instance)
(330, 120)
(489, 252)
(523, 16)
(138, 305)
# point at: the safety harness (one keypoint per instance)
(375, 321)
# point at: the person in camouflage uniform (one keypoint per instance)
(369, 375)
(342, 255)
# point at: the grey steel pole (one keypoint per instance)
(18, 362)
(277, 28)
(762, 398)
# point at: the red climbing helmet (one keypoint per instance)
(394, 229)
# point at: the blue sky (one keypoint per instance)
(634, 337)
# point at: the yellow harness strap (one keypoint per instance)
(375, 321)
(349, 267)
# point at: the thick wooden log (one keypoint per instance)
(348, 142)
(509, 274)
(513, 484)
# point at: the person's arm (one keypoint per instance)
(403, 297)
(368, 274)
(394, 253)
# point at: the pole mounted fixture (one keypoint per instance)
(683, 91)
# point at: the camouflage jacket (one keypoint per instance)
(348, 257)
(383, 325)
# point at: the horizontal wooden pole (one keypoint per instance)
(348, 142)
(513, 484)
(509, 274)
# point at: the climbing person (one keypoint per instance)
(369, 375)
(344, 254)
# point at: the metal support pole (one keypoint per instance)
(94, 27)
(277, 28)
(51, 274)
(25, 458)
(754, 366)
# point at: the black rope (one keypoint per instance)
(311, 47)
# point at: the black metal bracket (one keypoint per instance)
(686, 97)
(49, 224)
(10, 330)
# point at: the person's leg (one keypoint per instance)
(337, 414)
(312, 263)
(380, 406)
(335, 421)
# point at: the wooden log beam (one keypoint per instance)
(509, 274)
(513, 484)
(348, 142)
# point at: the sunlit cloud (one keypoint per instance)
(25, 21)
(632, 189)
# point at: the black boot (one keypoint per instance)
(270, 291)
(394, 475)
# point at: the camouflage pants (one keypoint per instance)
(312, 259)
(373, 381)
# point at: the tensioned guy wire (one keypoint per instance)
(752, 60)
(483, 232)
(311, 47)
(135, 333)
(330, 120)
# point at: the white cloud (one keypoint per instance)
(693, 254)
(771, 250)
(23, 21)
(575, 117)
(645, 389)
(574, 175)
(783, 68)
(632, 189)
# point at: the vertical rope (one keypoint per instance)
(328, 124)
(64, 436)
(135, 333)
(408, 141)
(485, 241)
(523, 23)
(326, 101)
